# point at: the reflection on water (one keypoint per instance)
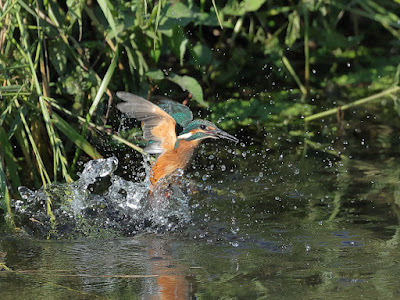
(285, 228)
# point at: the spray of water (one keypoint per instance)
(100, 202)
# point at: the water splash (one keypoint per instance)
(92, 171)
(100, 202)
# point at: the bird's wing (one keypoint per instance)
(158, 126)
(181, 113)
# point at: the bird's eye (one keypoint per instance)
(203, 127)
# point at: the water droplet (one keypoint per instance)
(234, 244)
(205, 177)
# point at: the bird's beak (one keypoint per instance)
(223, 135)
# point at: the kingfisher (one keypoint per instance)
(171, 131)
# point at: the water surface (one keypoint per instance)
(261, 226)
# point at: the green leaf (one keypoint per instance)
(57, 53)
(182, 51)
(189, 84)
(293, 29)
(74, 12)
(74, 136)
(178, 43)
(178, 10)
(107, 9)
(10, 88)
(251, 5)
(155, 74)
(206, 19)
(244, 7)
(103, 86)
(202, 54)
(176, 14)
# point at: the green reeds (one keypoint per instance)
(30, 138)
(96, 101)
(359, 102)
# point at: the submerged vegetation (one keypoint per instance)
(283, 66)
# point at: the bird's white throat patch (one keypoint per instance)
(185, 136)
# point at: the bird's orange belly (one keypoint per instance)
(170, 161)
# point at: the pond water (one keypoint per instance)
(261, 226)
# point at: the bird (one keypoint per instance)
(171, 132)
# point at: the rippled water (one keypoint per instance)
(260, 226)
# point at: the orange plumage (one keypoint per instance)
(171, 160)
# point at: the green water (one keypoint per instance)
(263, 226)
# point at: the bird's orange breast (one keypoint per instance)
(171, 160)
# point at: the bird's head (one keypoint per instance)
(198, 130)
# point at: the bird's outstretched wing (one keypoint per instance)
(158, 126)
(181, 113)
